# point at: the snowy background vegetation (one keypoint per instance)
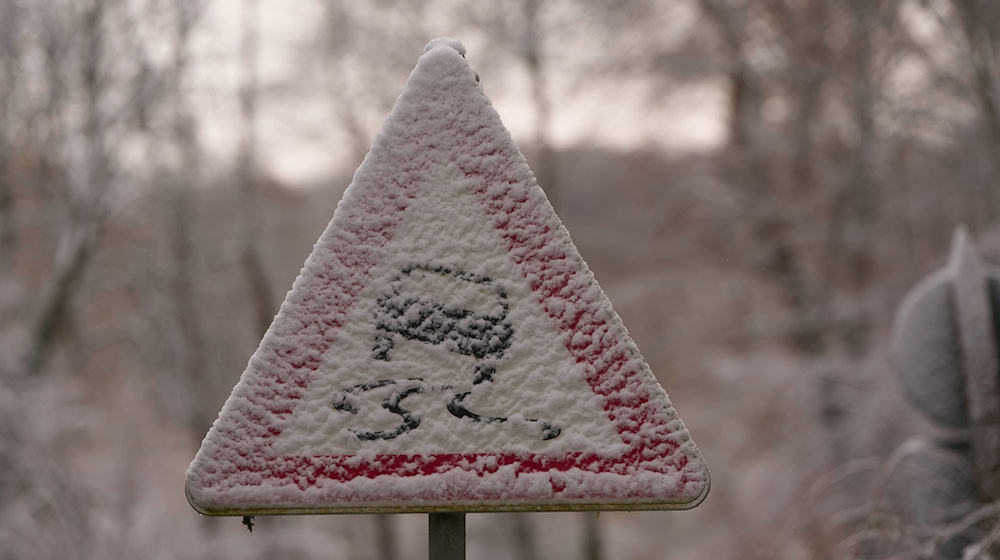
(755, 183)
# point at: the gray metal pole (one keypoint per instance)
(446, 536)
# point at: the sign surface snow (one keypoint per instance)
(445, 347)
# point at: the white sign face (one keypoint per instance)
(505, 384)
(445, 347)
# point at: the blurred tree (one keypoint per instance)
(12, 18)
(247, 170)
(183, 175)
(365, 55)
(980, 22)
(87, 193)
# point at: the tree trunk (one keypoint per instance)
(87, 201)
(544, 166)
(192, 355)
(593, 543)
(385, 534)
(984, 61)
(524, 537)
(255, 273)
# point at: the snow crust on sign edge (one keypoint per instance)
(447, 42)
(435, 52)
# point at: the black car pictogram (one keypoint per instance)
(443, 306)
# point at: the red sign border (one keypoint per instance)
(337, 272)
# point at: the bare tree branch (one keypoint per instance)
(87, 200)
(257, 277)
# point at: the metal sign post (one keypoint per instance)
(446, 536)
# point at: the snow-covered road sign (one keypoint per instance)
(445, 347)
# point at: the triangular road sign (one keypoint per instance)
(445, 347)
